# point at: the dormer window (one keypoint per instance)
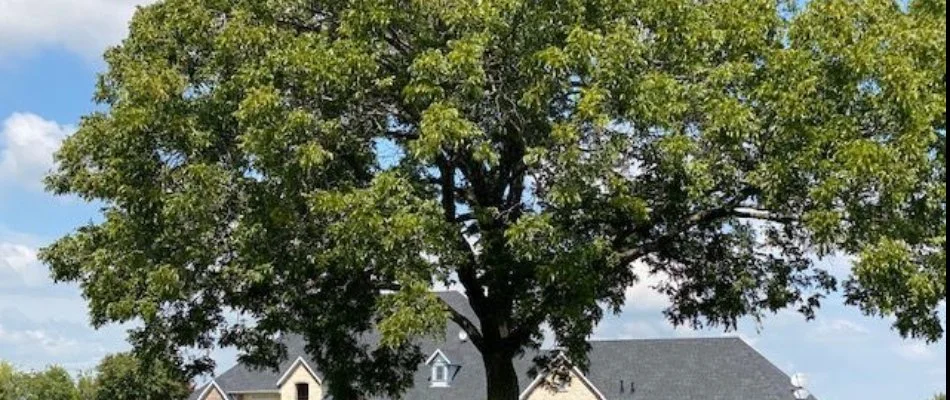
(442, 370)
(440, 375)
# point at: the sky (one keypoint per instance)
(50, 53)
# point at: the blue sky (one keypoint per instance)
(49, 52)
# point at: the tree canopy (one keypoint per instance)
(52, 383)
(316, 166)
(126, 377)
(117, 377)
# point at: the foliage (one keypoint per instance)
(940, 397)
(87, 386)
(125, 377)
(294, 160)
(53, 383)
(8, 381)
(118, 377)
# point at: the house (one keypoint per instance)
(674, 369)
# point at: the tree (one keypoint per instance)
(53, 383)
(940, 397)
(9, 382)
(317, 165)
(125, 377)
(87, 386)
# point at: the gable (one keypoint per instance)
(300, 373)
(212, 392)
(577, 388)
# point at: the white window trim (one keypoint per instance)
(438, 354)
(438, 361)
(444, 381)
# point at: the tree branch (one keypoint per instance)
(764, 215)
(473, 332)
(700, 219)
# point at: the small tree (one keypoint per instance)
(87, 386)
(9, 381)
(125, 377)
(53, 383)
(295, 160)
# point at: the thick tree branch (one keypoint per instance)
(395, 39)
(763, 215)
(473, 332)
(467, 272)
(730, 208)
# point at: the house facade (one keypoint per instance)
(673, 369)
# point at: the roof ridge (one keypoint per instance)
(709, 338)
(448, 291)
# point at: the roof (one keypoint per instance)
(662, 369)
(666, 369)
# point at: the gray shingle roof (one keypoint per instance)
(664, 369)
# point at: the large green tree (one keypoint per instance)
(315, 166)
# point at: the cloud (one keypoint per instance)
(83, 27)
(33, 343)
(19, 267)
(642, 296)
(915, 351)
(27, 144)
(629, 328)
(837, 331)
(46, 342)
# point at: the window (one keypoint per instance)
(442, 370)
(440, 375)
(303, 391)
(562, 385)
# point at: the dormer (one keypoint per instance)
(442, 371)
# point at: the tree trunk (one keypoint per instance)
(501, 375)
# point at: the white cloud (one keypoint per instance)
(49, 343)
(32, 341)
(27, 144)
(636, 330)
(915, 351)
(837, 331)
(19, 266)
(84, 27)
(642, 296)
